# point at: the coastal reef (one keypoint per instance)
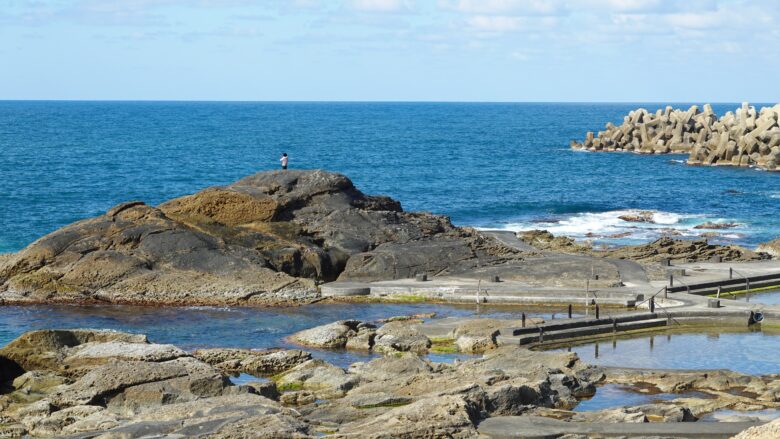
(745, 137)
(269, 238)
(103, 384)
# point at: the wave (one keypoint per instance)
(627, 226)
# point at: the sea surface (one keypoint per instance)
(487, 165)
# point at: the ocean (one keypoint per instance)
(487, 165)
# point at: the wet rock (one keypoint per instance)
(401, 337)
(639, 217)
(716, 226)
(256, 363)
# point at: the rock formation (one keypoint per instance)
(82, 383)
(745, 137)
(681, 250)
(266, 239)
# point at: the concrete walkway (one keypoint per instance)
(513, 427)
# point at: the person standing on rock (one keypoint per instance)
(284, 160)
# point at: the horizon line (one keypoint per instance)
(378, 101)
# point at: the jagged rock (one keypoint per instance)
(683, 250)
(544, 240)
(256, 363)
(401, 337)
(265, 239)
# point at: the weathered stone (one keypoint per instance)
(332, 335)
(400, 337)
(323, 379)
(256, 363)
(446, 416)
(265, 239)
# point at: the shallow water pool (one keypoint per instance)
(616, 395)
(766, 297)
(724, 415)
(256, 328)
(752, 353)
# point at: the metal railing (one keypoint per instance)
(654, 305)
(747, 282)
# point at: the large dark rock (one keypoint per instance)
(267, 238)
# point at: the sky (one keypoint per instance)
(391, 50)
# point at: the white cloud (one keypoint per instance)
(506, 7)
(381, 5)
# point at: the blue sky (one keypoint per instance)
(447, 50)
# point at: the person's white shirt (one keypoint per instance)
(284, 160)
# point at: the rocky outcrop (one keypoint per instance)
(771, 248)
(148, 390)
(745, 137)
(544, 240)
(666, 247)
(80, 381)
(683, 250)
(352, 334)
(256, 363)
(266, 239)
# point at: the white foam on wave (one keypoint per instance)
(610, 228)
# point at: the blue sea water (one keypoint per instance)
(486, 165)
(193, 328)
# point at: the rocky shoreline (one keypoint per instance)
(745, 137)
(101, 384)
(274, 238)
